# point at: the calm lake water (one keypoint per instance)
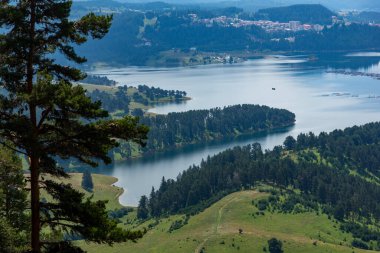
(321, 101)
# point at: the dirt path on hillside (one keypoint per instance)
(217, 225)
(219, 229)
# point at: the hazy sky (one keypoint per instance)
(334, 4)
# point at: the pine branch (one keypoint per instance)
(45, 114)
(12, 148)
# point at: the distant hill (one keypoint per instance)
(366, 16)
(332, 4)
(253, 5)
(149, 36)
(97, 3)
(247, 5)
(104, 5)
(306, 13)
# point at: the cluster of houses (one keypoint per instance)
(267, 25)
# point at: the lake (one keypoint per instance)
(321, 101)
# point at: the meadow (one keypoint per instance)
(234, 224)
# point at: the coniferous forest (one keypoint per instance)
(175, 130)
(198, 126)
(321, 166)
(167, 132)
(338, 170)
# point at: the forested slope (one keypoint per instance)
(306, 13)
(338, 171)
(154, 38)
(179, 129)
(197, 126)
(237, 223)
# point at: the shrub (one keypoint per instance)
(275, 246)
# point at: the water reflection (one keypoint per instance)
(138, 176)
(352, 62)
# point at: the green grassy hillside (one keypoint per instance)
(103, 188)
(217, 230)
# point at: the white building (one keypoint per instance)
(294, 25)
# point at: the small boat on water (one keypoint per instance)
(313, 58)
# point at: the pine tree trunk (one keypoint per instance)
(34, 159)
(7, 203)
(35, 199)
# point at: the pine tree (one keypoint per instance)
(8, 237)
(87, 183)
(44, 116)
(275, 246)
(12, 188)
(13, 202)
(142, 209)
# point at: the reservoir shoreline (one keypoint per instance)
(299, 85)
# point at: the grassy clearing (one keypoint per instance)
(103, 188)
(92, 87)
(216, 230)
(147, 22)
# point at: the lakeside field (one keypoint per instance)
(104, 188)
(216, 230)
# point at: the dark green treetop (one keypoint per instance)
(87, 182)
(275, 246)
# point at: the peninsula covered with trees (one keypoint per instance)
(123, 100)
(197, 126)
(174, 130)
(98, 80)
(180, 129)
